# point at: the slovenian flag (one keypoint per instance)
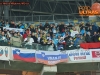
(24, 55)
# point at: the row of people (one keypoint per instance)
(59, 37)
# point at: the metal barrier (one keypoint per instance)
(34, 46)
(44, 18)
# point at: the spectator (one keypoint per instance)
(70, 44)
(34, 36)
(32, 28)
(15, 40)
(94, 28)
(18, 24)
(83, 31)
(61, 27)
(7, 25)
(3, 37)
(29, 40)
(28, 31)
(95, 37)
(73, 32)
(88, 38)
(54, 30)
(20, 36)
(87, 26)
(8, 38)
(55, 40)
(57, 28)
(99, 29)
(82, 40)
(41, 27)
(77, 28)
(41, 40)
(51, 33)
(51, 26)
(3, 23)
(91, 30)
(77, 41)
(99, 37)
(51, 46)
(22, 26)
(70, 25)
(62, 42)
(66, 38)
(48, 37)
(46, 25)
(24, 35)
(82, 26)
(12, 24)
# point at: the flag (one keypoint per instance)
(51, 57)
(1, 52)
(95, 54)
(24, 55)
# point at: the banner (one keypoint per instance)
(90, 45)
(5, 53)
(24, 54)
(15, 29)
(95, 54)
(79, 55)
(51, 57)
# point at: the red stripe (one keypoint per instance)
(46, 61)
(95, 54)
(1, 54)
(24, 59)
(90, 45)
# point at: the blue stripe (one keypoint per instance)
(28, 55)
(14, 52)
(46, 56)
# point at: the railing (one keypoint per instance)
(34, 46)
(37, 46)
(46, 47)
(43, 18)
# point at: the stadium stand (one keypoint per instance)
(49, 36)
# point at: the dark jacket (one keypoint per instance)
(88, 39)
(61, 27)
(95, 38)
(35, 39)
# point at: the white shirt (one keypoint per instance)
(3, 38)
(30, 41)
(49, 38)
(54, 31)
(73, 33)
(39, 39)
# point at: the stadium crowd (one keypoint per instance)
(56, 37)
